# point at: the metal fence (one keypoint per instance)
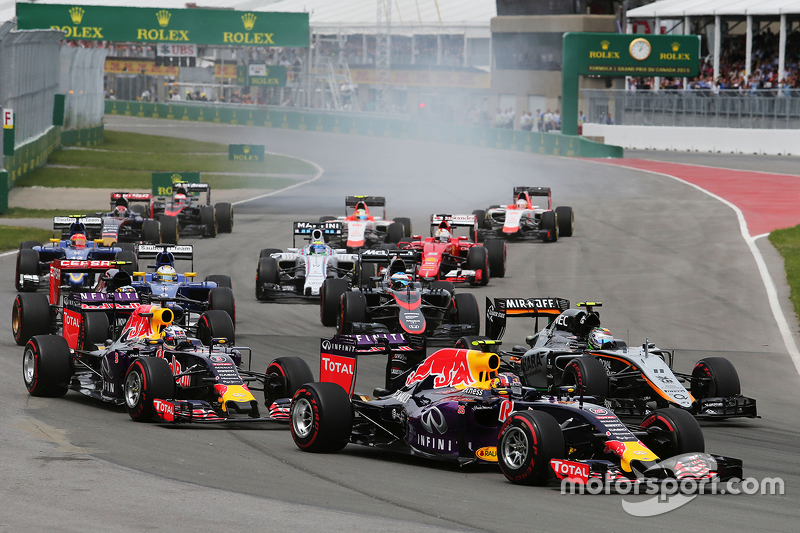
(81, 81)
(763, 109)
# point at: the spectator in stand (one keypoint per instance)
(526, 121)
(499, 119)
(508, 118)
(548, 121)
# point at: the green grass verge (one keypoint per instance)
(140, 142)
(787, 241)
(24, 212)
(11, 236)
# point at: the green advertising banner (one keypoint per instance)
(139, 24)
(162, 181)
(253, 153)
(266, 76)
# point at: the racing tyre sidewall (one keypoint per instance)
(147, 379)
(221, 299)
(47, 366)
(321, 417)
(353, 309)
(724, 379)
(496, 250)
(27, 263)
(215, 323)
(294, 371)
(526, 443)
(30, 315)
(587, 371)
(331, 299)
(672, 431)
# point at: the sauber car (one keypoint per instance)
(159, 373)
(187, 215)
(459, 259)
(300, 272)
(364, 229)
(573, 349)
(525, 219)
(457, 405)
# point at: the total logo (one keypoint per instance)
(70, 320)
(338, 367)
(575, 472)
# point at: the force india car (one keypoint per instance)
(630, 380)
(457, 259)
(184, 213)
(33, 258)
(437, 311)
(362, 229)
(85, 316)
(187, 382)
(456, 405)
(525, 220)
(300, 272)
(130, 220)
(185, 297)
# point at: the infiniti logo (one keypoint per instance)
(433, 418)
(326, 345)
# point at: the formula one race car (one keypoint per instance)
(186, 215)
(362, 229)
(178, 292)
(447, 257)
(300, 272)
(525, 220)
(84, 315)
(130, 220)
(156, 371)
(33, 258)
(575, 350)
(457, 405)
(399, 303)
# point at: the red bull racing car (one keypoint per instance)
(363, 228)
(459, 405)
(526, 218)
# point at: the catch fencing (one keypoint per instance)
(81, 81)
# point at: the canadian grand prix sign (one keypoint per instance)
(195, 26)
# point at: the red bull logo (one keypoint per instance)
(457, 368)
(629, 451)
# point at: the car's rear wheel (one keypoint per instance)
(215, 324)
(672, 431)
(330, 299)
(221, 298)
(587, 372)
(483, 220)
(266, 272)
(394, 233)
(169, 229)
(28, 244)
(721, 378)
(30, 315)
(321, 417)
(208, 219)
(467, 310)
(366, 271)
(222, 280)
(353, 309)
(93, 330)
(47, 366)
(496, 250)
(151, 231)
(566, 221)
(291, 374)
(526, 443)
(147, 379)
(478, 260)
(131, 261)
(27, 264)
(406, 223)
(224, 212)
(549, 222)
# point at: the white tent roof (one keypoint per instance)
(337, 16)
(666, 9)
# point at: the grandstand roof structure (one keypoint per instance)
(666, 9)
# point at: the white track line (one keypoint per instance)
(319, 173)
(769, 285)
(12, 252)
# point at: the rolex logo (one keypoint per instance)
(246, 149)
(176, 178)
(249, 21)
(163, 17)
(675, 47)
(76, 14)
(604, 45)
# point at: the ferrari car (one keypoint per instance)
(159, 373)
(525, 220)
(299, 273)
(84, 315)
(399, 303)
(179, 292)
(130, 220)
(573, 349)
(458, 405)
(363, 229)
(459, 259)
(187, 215)
(75, 243)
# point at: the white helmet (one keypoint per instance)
(443, 235)
(522, 203)
(166, 274)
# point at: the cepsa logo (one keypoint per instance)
(450, 366)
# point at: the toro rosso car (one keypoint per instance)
(458, 405)
(524, 219)
(399, 303)
(86, 315)
(157, 372)
(33, 258)
(130, 220)
(184, 214)
(364, 229)
(300, 272)
(573, 349)
(447, 257)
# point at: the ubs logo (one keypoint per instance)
(433, 419)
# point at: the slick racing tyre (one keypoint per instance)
(721, 381)
(672, 431)
(147, 379)
(30, 315)
(467, 310)
(221, 298)
(496, 250)
(266, 252)
(478, 260)
(47, 366)
(267, 271)
(588, 372)
(483, 219)
(151, 232)
(331, 299)
(284, 376)
(353, 309)
(406, 223)
(126, 246)
(448, 286)
(215, 324)
(132, 262)
(224, 212)
(549, 222)
(566, 221)
(366, 271)
(526, 443)
(93, 330)
(321, 417)
(209, 220)
(395, 233)
(222, 280)
(27, 264)
(28, 244)
(169, 229)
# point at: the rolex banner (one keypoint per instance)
(162, 181)
(246, 152)
(177, 26)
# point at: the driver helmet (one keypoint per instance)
(166, 274)
(120, 211)
(173, 336)
(361, 214)
(400, 280)
(317, 248)
(78, 240)
(506, 384)
(180, 198)
(126, 288)
(598, 338)
(443, 235)
(522, 203)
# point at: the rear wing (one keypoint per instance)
(350, 202)
(60, 267)
(183, 252)
(455, 221)
(532, 191)
(499, 309)
(316, 231)
(130, 197)
(64, 223)
(193, 188)
(375, 255)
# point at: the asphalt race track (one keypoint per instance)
(667, 261)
